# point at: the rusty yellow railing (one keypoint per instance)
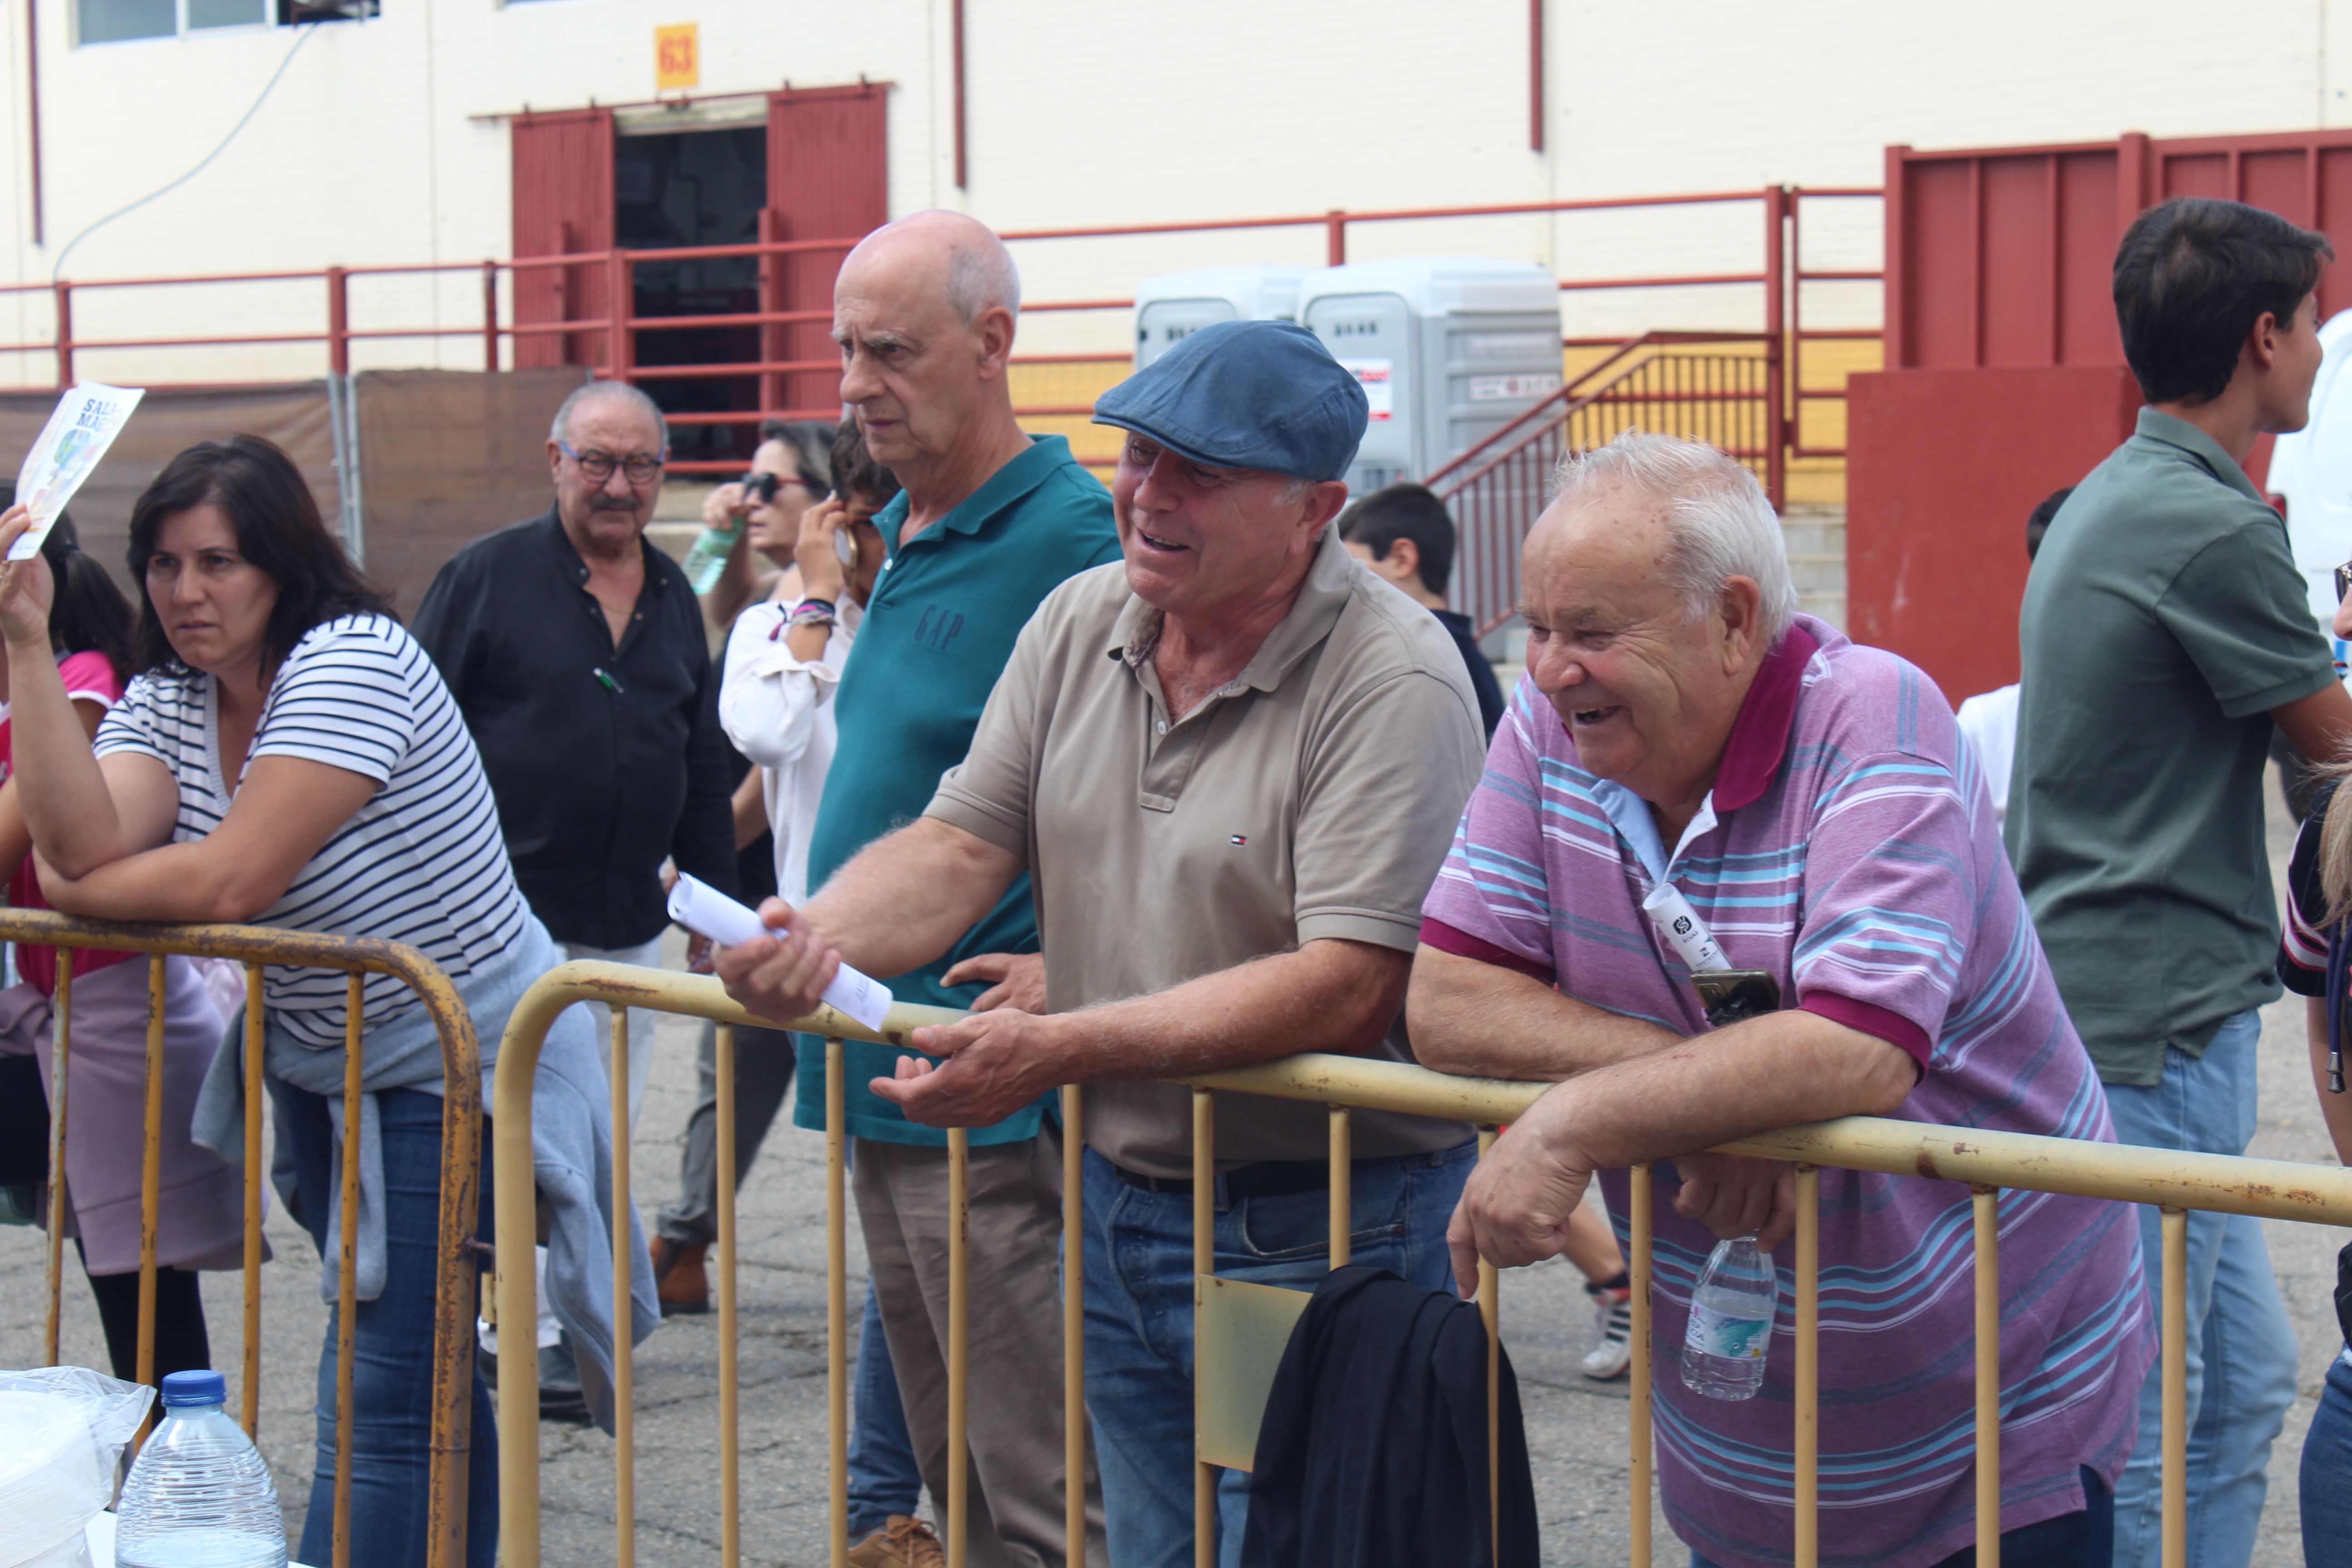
(256, 947)
(1988, 1161)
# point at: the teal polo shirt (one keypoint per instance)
(941, 625)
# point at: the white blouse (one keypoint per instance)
(779, 712)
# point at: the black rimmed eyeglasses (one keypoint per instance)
(599, 466)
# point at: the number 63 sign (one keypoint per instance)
(678, 58)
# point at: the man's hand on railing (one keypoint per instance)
(783, 976)
(996, 1063)
(1020, 980)
(1732, 1195)
(1514, 1210)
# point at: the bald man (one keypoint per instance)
(989, 522)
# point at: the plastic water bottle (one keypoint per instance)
(1730, 1321)
(708, 556)
(198, 1495)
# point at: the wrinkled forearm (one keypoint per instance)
(1481, 1020)
(1328, 996)
(1781, 1070)
(904, 900)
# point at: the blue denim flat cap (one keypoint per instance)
(1246, 394)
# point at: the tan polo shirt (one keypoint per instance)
(1315, 796)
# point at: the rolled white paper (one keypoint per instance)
(699, 907)
(1680, 924)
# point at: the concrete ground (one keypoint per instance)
(1576, 1429)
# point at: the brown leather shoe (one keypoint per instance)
(902, 1542)
(679, 1281)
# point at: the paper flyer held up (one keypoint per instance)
(83, 426)
(700, 907)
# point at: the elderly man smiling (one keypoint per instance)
(1686, 748)
(1229, 765)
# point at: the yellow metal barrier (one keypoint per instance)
(461, 1140)
(1988, 1161)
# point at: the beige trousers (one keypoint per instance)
(1014, 1324)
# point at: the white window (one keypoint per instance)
(106, 21)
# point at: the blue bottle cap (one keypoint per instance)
(194, 1388)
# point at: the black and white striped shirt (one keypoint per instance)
(422, 862)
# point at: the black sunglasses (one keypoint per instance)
(760, 488)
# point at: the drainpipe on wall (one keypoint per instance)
(956, 26)
(33, 104)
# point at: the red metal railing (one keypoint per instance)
(609, 342)
(1661, 382)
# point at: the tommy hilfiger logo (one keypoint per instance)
(1240, 838)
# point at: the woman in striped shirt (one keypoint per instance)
(289, 755)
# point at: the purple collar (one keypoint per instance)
(1760, 736)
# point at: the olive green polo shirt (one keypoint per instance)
(1312, 797)
(938, 628)
(2163, 620)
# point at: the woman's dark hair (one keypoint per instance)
(811, 447)
(278, 529)
(2193, 275)
(88, 613)
(854, 471)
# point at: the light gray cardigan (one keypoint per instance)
(571, 1139)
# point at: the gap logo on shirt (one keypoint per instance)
(938, 627)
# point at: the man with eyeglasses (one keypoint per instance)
(576, 652)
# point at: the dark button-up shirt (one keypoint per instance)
(603, 759)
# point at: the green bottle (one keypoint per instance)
(708, 558)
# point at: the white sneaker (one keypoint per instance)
(1614, 1309)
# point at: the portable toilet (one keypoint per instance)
(1449, 349)
(1174, 304)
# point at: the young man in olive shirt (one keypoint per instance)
(2166, 630)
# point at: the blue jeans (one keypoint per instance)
(2241, 1354)
(883, 1479)
(1139, 1273)
(392, 1364)
(2326, 1474)
(2083, 1538)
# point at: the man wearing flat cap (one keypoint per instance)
(1230, 765)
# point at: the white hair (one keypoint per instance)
(981, 277)
(1718, 523)
(607, 391)
(981, 274)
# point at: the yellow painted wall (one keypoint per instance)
(1054, 394)
(1065, 385)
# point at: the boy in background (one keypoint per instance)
(1404, 535)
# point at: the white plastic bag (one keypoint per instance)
(66, 1428)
